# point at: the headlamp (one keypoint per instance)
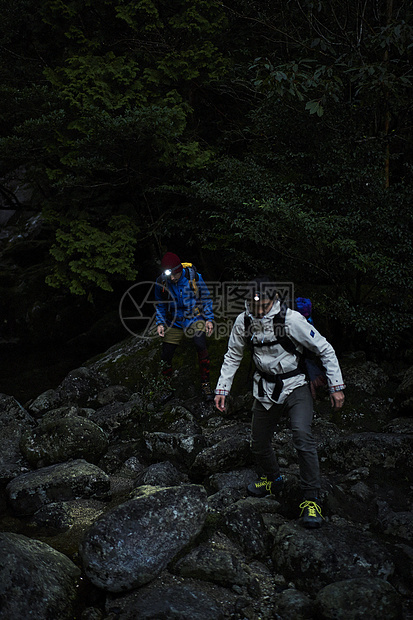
(256, 297)
(170, 271)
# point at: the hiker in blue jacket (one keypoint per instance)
(277, 336)
(184, 306)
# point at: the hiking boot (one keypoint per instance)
(311, 516)
(207, 392)
(264, 487)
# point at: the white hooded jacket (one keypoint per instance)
(274, 359)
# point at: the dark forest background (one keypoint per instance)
(246, 136)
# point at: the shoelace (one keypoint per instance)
(313, 508)
(264, 483)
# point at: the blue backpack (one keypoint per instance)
(304, 306)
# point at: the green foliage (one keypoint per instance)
(276, 137)
(107, 81)
(86, 255)
(332, 226)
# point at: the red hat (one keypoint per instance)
(171, 261)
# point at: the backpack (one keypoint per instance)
(306, 363)
(304, 306)
(190, 273)
(193, 276)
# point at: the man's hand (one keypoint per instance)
(161, 330)
(209, 327)
(337, 399)
(220, 402)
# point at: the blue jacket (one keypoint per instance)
(178, 306)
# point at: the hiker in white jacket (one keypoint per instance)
(277, 335)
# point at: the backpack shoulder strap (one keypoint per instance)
(247, 330)
(279, 331)
(192, 276)
(163, 284)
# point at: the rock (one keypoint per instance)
(238, 479)
(404, 393)
(362, 492)
(314, 558)
(130, 545)
(56, 517)
(76, 479)
(223, 499)
(176, 601)
(400, 425)
(184, 422)
(113, 393)
(14, 419)
(396, 524)
(60, 440)
(82, 386)
(75, 515)
(379, 449)
(223, 456)
(354, 599)
(67, 411)
(292, 604)
(36, 581)
(216, 565)
(161, 474)
(180, 448)
(244, 523)
(91, 613)
(118, 453)
(124, 362)
(132, 468)
(367, 376)
(115, 417)
(50, 399)
(182, 554)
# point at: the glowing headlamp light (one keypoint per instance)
(256, 297)
(169, 272)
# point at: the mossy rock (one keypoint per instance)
(58, 441)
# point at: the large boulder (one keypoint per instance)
(382, 450)
(58, 441)
(217, 565)
(368, 377)
(36, 581)
(63, 482)
(174, 601)
(244, 522)
(225, 455)
(358, 598)
(14, 419)
(404, 394)
(130, 545)
(161, 474)
(314, 559)
(82, 386)
(179, 447)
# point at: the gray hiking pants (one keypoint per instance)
(299, 407)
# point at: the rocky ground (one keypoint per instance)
(116, 506)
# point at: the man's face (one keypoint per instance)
(174, 277)
(261, 307)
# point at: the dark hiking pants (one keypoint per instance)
(298, 406)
